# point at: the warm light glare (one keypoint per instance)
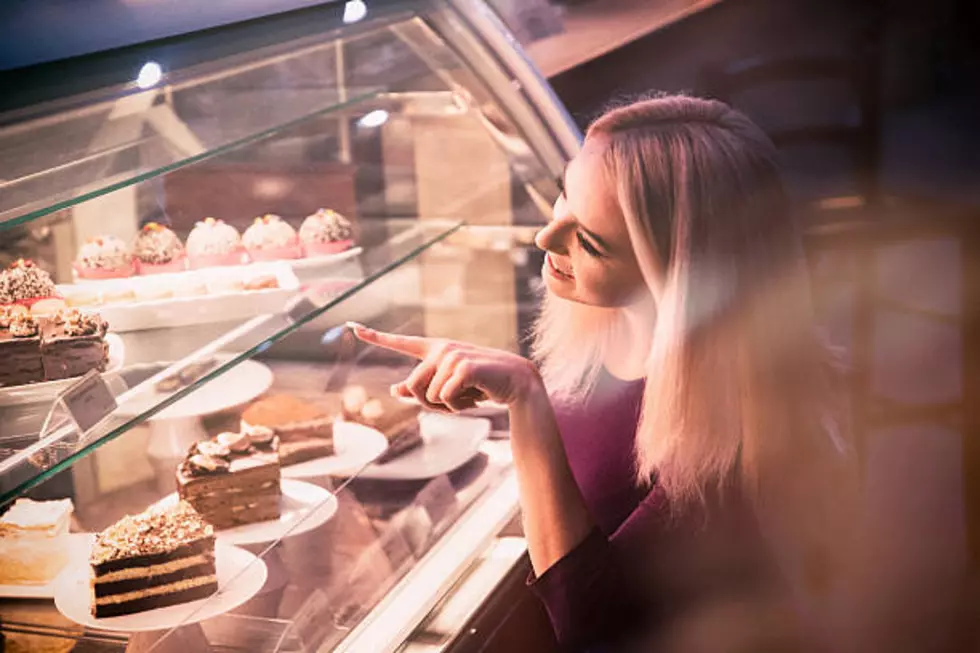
(375, 118)
(150, 75)
(354, 11)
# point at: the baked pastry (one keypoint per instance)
(214, 243)
(261, 282)
(305, 430)
(326, 232)
(233, 478)
(34, 541)
(396, 420)
(157, 249)
(163, 556)
(50, 348)
(104, 257)
(25, 283)
(270, 238)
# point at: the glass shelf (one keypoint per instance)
(138, 391)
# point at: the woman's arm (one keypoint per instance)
(452, 376)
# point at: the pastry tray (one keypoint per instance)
(222, 301)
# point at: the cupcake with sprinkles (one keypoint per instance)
(157, 249)
(104, 257)
(214, 243)
(326, 232)
(270, 238)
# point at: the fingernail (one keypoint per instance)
(356, 326)
(393, 389)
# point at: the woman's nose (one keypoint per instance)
(553, 236)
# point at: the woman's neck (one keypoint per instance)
(630, 344)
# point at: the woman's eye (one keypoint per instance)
(587, 246)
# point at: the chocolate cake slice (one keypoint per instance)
(20, 347)
(396, 420)
(72, 343)
(233, 479)
(163, 556)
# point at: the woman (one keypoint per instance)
(676, 433)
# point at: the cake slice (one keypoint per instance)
(233, 479)
(34, 541)
(20, 347)
(396, 420)
(163, 556)
(305, 430)
(72, 343)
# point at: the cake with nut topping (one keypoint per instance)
(161, 557)
(34, 349)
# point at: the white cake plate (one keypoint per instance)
(356, 446)
(240, 577)
(79, 545)
(303, 507)
(450, 441)
(32, 393)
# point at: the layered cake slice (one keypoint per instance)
(20, 347)
(163, 556)
(305, 430)
(233, 479)
(34, 349)
(396, 420)
(34, 541)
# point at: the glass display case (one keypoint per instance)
(186, 226)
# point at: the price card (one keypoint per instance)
(88, 401)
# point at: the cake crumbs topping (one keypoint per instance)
(269, 231)
(325, 226)
(213, 236)
(158, 530)
(9, 313)
(78, 323)
(25, 280)
(156, 244)
(23, 326)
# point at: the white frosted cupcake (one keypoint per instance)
(270, 238)
(214, 243)
(104, 257)
(326, 232)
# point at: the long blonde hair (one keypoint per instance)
(739, 384)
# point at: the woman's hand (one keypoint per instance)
(453, 376)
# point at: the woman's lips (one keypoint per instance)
(557, 271)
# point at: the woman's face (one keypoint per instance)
(589, 257)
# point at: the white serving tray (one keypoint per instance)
(172, 312)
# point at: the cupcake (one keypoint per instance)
(270, 238)
(214, 243)
(104, 257)
(26, 284)
(326, 232)
(158, 249)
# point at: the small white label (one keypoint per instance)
(88, 400)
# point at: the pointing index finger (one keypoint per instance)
(410, 345)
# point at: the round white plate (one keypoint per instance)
(240, 577)
(78, 548)
(234, 388)
(356, 445)
(450, 441)
(45, 392)
(303, 507)
(324, 259)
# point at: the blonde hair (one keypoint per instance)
(739, 385)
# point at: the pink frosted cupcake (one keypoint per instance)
(326, 232)
(157, 249)
(270, 238)
(214, 243)
(104, 257)
(24, 283)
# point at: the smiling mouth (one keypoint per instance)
(556, 270)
